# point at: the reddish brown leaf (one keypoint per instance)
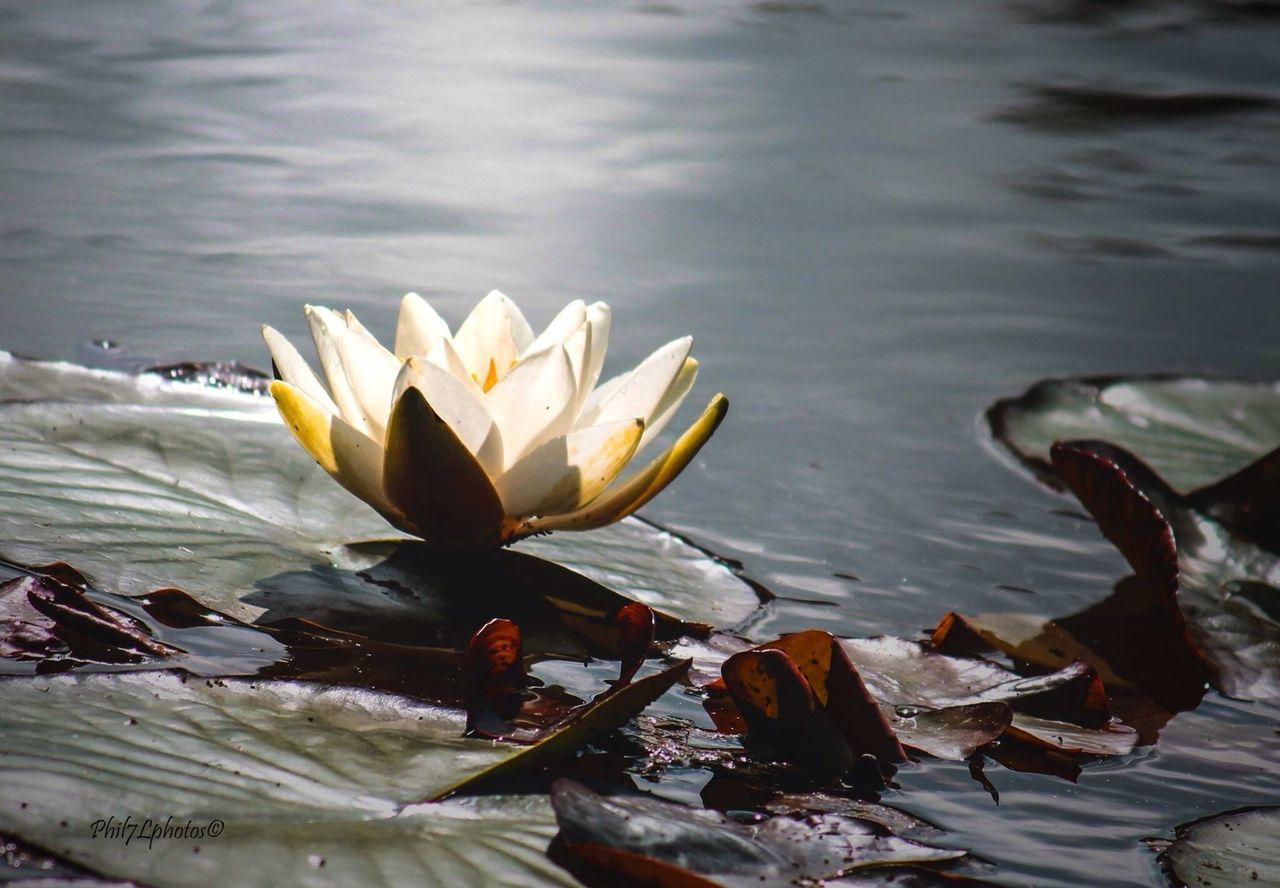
(600, 865)
(44, 617)
(767, 685)
(1125, 514)
(838, 687)
(637, 625)
(782, 713)
(494, 675)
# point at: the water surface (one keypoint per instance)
(875, 218)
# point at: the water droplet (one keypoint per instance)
(906, 711)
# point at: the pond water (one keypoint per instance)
(875, 218)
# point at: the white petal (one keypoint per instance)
(294, 369)
(418, 328)
(599, 318)
(568, 471)
(578, 348)
(454, 403)
(565, 324)
(353, 323)
(642, 389)
(495, 332)
(533, 403)
(326, 329)
(371, 372)
(671, 401)
(597, 396)
(445, 356)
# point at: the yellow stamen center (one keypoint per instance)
(491, 379)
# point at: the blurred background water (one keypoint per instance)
(875, 218)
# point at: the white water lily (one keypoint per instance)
(476, 439)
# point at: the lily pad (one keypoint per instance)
(1192, 432)
(636, 838)
(1236, 848)
(267, 783)
(143, 483)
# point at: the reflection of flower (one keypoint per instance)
(480, 438)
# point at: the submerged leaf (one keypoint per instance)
(902, 672)
(638, 837)
(1141, 657)
(948, 706)
(606, 712)
(50, 621)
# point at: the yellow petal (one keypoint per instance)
(431, 476)
(351, 457)
(620, 501)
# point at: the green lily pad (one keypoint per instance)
(142, 483)
(267, 783)
(1192, 432)
(1237, 848)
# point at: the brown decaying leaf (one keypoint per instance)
(838, 686)
(782, 713)
(45, 616)
(1219, 585)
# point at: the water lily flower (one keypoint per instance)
(475, 439)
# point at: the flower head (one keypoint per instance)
(476, 439)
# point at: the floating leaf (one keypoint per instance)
(1237, 848)
(1140, 653)
(948, 706)
(636, 837)
(496, 695)
(1192, 432)
(1224, 586)
(800, 692)
(900, 672)
(637, 627)
(782, 712)
(306, 784)
(606, 712)
(143, 484)
(953, 732)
